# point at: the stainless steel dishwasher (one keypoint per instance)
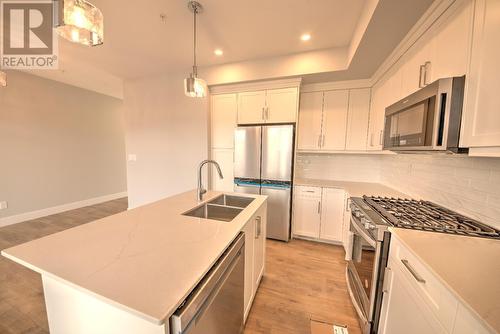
(216, 305)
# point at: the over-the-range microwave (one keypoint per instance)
(427, 120)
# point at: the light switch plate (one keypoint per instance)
(132, 157)
(3, 205)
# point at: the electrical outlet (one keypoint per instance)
(3, 205)
(132, 157)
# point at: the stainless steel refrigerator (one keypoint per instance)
(263, 165)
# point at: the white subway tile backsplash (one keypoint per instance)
(470, 186)
(467, 185)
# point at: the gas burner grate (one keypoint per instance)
(427, 216)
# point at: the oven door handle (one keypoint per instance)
(363, 233)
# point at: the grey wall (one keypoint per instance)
(167, 132)
(59, 144)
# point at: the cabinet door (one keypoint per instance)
(309, 127)
(335, 110)
(403, 310)
(481, 122)
(281, 105)
(225, 159)
(357, 123)
(306, 211)
(259, 248)
(332, 214)
(451, 43)
(249, 231)
(377, 116)
(413, 74)
(223, 120)
(466, 323)
(251, 107)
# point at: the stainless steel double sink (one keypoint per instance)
(223, 208)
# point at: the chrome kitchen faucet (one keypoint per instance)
(202, 190)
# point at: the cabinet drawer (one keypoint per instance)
(306, 191)
(436, 295)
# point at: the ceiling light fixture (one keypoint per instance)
(194, 86)
(3, 79)
(79, 21)
(218, 52)
(305, 37)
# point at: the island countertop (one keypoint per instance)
(145, 260)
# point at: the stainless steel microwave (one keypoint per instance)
(427, 120)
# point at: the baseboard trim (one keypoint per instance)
(58, 209)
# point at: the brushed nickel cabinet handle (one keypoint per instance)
(262, 116)
(319, 141)
(421, 78)
(258, 227)
(319, 207)
(412, 271)
(381, 137)
(427, 69)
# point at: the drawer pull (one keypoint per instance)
(412, 271)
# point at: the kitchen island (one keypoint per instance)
(128, 273)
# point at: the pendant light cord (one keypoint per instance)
(195, 70)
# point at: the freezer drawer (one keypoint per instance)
(277, 152)
(278, 211)
(247, 152)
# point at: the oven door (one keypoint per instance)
(363, 275)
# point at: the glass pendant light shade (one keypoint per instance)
(80, 22)
(3, 79)
(195, 87)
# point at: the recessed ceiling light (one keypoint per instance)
(305, 37)
(218, 52)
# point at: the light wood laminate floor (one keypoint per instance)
(303, 280)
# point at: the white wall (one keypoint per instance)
(167, 132)
(347, 167)
(59, 144)
(467, 185)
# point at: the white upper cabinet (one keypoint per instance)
(310, 116)
(416, 63)
(335, 111)
(332, 214)
(251, 107)
(223, 120)
(357, 123)
(225, 158)
(268, 106)
(281, 105)
(450, 44)
(324, 120)
(481, 122)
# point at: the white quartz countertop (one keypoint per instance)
(354, 189)
(145, 260)
(468, 266)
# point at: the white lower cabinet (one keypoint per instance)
(318, 213)
(415, 301)
(255, 254)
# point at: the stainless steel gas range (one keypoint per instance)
(371, 218)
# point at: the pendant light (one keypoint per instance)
(79, 21)
(3, 79)
(194, 86)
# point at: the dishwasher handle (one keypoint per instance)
(195, 302)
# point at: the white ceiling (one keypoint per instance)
(137, 42)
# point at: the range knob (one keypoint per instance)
(367, 224)
(358, 214)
